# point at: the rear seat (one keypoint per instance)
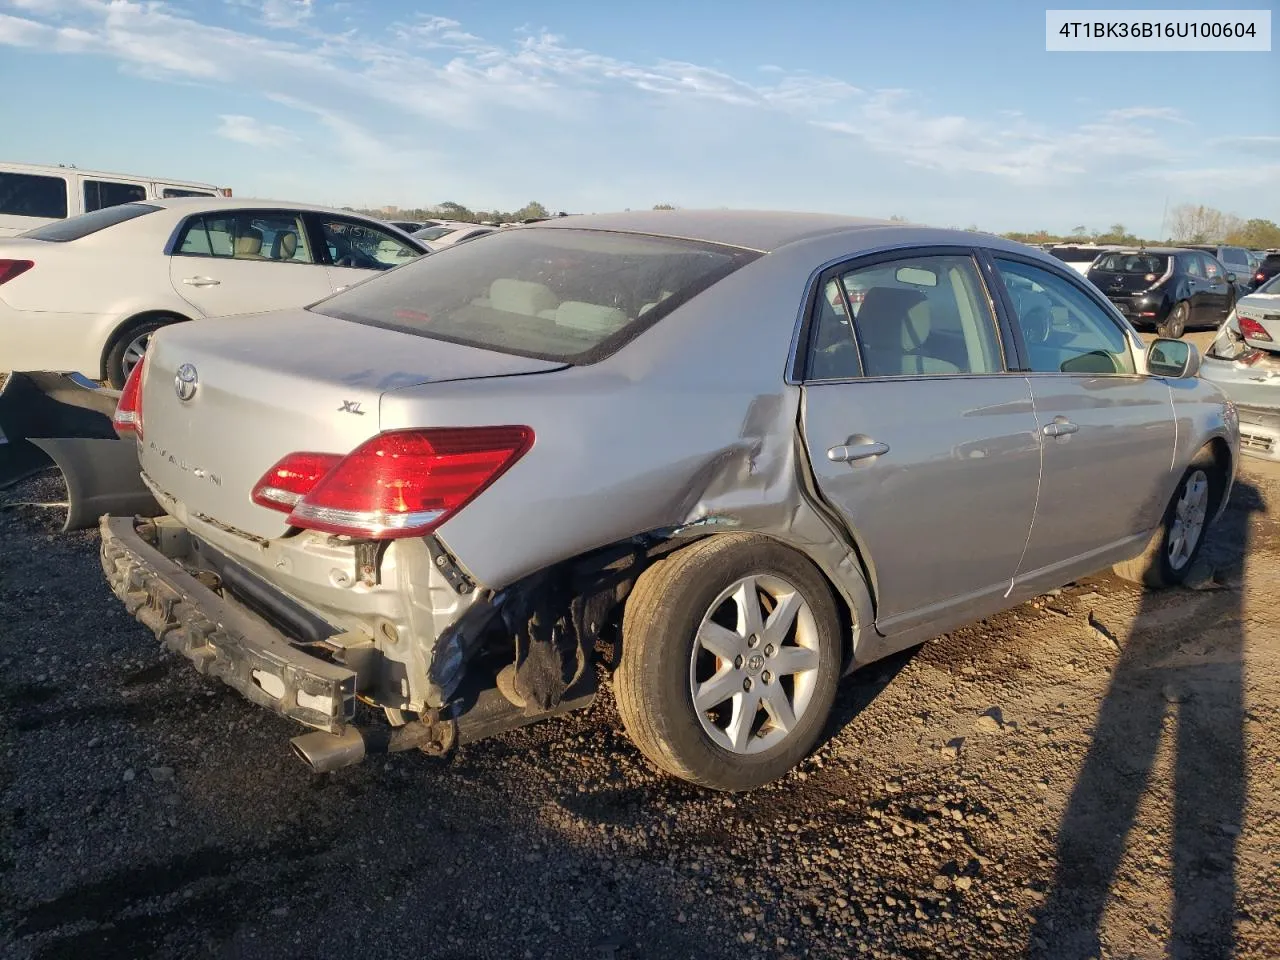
(589, 316)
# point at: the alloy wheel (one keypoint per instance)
(754, 666)
(1189, 514)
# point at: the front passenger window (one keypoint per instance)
(1064, 329)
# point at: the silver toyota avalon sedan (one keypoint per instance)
(730, 455)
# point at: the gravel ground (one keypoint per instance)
(1092, 774)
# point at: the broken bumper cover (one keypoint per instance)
(219, 636)
(1259, 431)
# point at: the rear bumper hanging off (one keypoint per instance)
(219, 636)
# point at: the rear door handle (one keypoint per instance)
(201, 281)
(859, 451)
(1060, 428)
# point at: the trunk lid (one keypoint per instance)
(271, 384)
(1265, 309)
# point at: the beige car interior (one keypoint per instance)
(529, 299)
(249, 245)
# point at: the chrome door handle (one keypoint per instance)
(201, 281)
(860, 451)
(1060, 428)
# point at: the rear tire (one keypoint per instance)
(765, 685)
(1169, 556)
(127, 346)
(1175, 324)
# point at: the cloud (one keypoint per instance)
(383, 94)
(1259, 145)
(244, 129)
(282, 14)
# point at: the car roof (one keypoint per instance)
(195, 204)
(54, 169)
(1138, 250)
(761, 230)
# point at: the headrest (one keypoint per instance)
(285, 244)
(521, 296)
(249, 243)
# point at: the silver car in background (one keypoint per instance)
(1244, 361)
(675, 441)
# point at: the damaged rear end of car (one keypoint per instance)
(346, 521)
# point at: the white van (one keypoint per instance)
(33, 194)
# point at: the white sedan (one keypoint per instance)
(84, 295)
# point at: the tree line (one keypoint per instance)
(1187, 223)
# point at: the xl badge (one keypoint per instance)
(186, 382)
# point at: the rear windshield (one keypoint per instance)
(1271, 286)
(572, 296)
(1142, 263)
(74, 228)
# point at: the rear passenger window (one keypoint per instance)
(247, 235)
(920, 316)
(31, 195)
(108, 193)
(1064, 329)
(170, 193)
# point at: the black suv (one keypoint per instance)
(1168, 288)
(1235, 258)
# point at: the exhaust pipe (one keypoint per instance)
(324, 752)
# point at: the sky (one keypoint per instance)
(949, 114)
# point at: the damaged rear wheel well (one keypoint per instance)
(558, 618)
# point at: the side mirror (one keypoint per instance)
(1176, 359)
(1231, 278)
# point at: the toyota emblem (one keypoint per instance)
(186, 381)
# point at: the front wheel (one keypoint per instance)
(1176, 323)
(730, 661)
(1175, 546)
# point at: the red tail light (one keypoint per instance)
(14, 268)
(1251, 329)
(293, 478)
(128, 415)
(400, 484)
(1259, 276)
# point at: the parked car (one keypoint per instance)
(1166, 289)
(413, 226)
(1244, 361)
(662, 432)
(447, 234)
(1268, 268)
(1079, 256)
(85, 294)
(32, 195)
(1234, 258)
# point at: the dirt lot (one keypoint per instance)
(1091, 774)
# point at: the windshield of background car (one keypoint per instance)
(566, 295)
(1141, 263)
(434, 233)
(73, 228)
